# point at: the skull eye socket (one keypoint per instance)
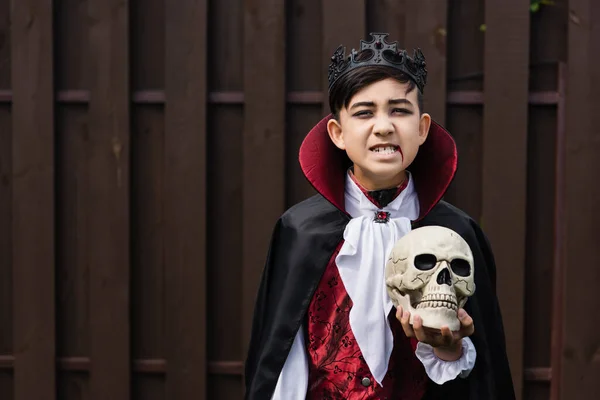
(425, 262)
(460, 267)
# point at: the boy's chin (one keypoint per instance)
(386, 172)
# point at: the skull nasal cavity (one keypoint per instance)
(444, 277)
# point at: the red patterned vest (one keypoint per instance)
(337, 368)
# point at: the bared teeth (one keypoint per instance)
(385, 150)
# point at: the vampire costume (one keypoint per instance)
(323, 326)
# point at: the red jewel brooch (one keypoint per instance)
(382, 217)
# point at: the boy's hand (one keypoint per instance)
(447, 345)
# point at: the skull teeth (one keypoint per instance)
(438, 300)
(437, 304)
(439, 297)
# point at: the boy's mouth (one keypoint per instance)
(385, 149)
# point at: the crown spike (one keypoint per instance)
(384, 54)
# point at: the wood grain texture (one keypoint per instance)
(580, 350)
(33, 200)
(506, 78)
(108, 248)
(263, 142)
(426, 28)
(185, 200)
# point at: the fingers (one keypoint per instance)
(399, 313)
(419, 330)
(404, 318)
(437, 338)
(467, 328)
(433, 337)
(447, 337)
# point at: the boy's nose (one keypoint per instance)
(383, 127)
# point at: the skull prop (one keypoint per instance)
(430, 273)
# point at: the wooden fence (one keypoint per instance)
(148, 147)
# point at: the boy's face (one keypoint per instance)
(381, 131)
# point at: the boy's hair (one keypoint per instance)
(350, 83)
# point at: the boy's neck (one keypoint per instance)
(380, 197)
(370, 185)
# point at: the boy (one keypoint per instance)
(324, 327)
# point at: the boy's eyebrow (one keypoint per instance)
(390, 102)
(400, 101)
(363, 104)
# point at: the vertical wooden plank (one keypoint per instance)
(304, 71)
(185, 199)
(147, 249)
(548, 36)
(506, 66)
(109, 128)
(73, 238)
(581, 353)
(344, 23)
(541, 178)
(426, 28)
(263, 142)
(6, 265)
(559, 267)
(33, 199)
(147, 60)
(224, 186)
(224, 200)
(465, 46)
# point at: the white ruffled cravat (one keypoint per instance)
(361, 264)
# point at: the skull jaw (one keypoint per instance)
(437, 317)
(433, 318)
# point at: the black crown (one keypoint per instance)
(379, 52)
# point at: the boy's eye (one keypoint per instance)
(401, 111)
(363, 113)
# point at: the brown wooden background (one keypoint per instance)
(148, 146)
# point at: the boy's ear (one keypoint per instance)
(424, 126)
(335, 133)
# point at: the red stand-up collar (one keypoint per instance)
(325, 166)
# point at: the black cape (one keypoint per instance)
(302, 244)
